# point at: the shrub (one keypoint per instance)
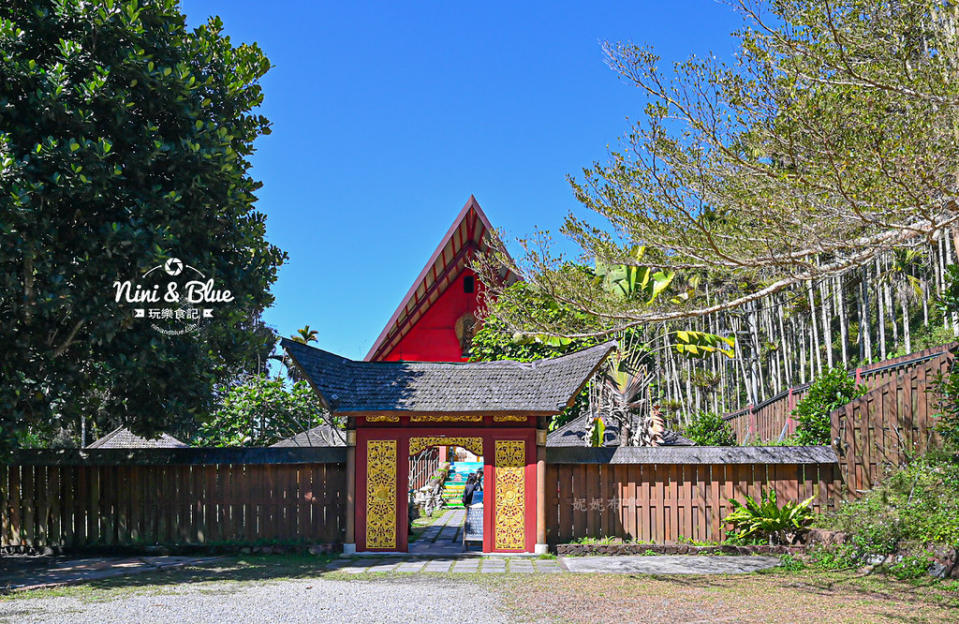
(911, 567)
(832, 389)
(709, 429)
(766, 519)
(791, 563)
(917, 504)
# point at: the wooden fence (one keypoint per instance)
(668, 494)
(140, 497)
(889, 424)
(769, 419)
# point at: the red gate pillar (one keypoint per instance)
(349, 540)
(540, 547)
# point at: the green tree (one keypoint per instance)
(124, 141)
(827, 392)
(260, 412)
(831, 139)
(709, 429)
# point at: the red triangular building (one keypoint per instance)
(437, 318)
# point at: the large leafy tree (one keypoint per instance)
(262, 411)
(125, 140)
(831, 139)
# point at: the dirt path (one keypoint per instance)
(761, 598)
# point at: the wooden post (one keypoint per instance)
(349, 545)
(540, 547)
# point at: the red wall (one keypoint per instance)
(433, 337)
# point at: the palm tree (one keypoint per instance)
(304, 335)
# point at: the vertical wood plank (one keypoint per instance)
(643, 516)
(28, 506)
(564, 474)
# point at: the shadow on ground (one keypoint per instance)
(227, 568)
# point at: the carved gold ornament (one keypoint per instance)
(420, 418)
(509, 519)
(473, 445)
(509, 418)
(381, 494)
(393, 418)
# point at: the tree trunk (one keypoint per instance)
(826, 325)
(867, 334)
(815, 334)
(802, 354)
(843, 321)
(906, 338)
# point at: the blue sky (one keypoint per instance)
(387, 116)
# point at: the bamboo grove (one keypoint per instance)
(884, 309)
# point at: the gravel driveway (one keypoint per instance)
(420, 600)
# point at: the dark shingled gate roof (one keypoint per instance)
(543, 387)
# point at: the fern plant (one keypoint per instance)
(767, 520)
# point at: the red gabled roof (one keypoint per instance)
(468, 234)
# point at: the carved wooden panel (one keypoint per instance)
(473, 445)
(381, 494)
(509, 512)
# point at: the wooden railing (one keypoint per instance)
(82, 499)
(771, 419)
(671, 494)
(888, 425)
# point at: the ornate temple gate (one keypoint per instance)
(396, 409)
(509, 476)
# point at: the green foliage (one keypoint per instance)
(766, 519)
(495, 340)
(917, 504)
(125, 141)
(304, 335)
(911, 567)
(699, 344)
(709, 429)
(791, 563)
(523, 304)
(947, 420)
(260, 412)
(834, 558)
(948, 301)
(633, 282)
(832, 389)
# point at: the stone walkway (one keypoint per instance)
(455, 565)
(443, 537)
(519, 564)
(671, 564)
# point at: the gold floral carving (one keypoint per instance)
(417, 418)
(473, 445)
(509, 418)
(381, 494)
(393, 418)
(509, 519)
